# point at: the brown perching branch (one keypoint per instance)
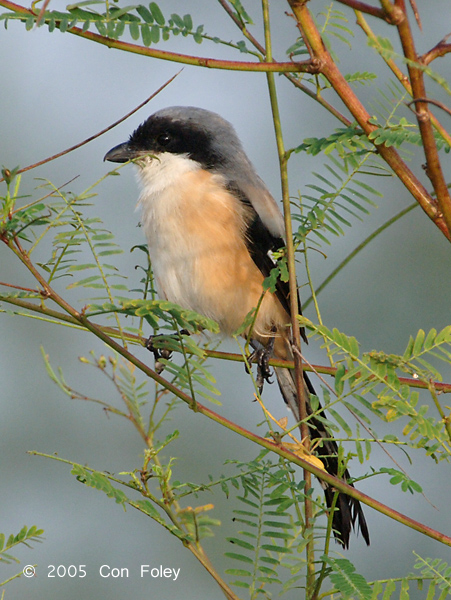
(57, 316)
(79, 317)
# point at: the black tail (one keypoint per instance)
(348, 512)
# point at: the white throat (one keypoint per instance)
(161, 172)
(164, 206)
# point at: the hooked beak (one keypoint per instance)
(122, 153)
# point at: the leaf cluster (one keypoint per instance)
(270, 537)
(377, 375)
(351, 585)
(26, 536)
(142, 23)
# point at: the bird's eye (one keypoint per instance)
(164, 138)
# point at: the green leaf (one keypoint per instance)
(117, 12)
(155, 34)
(146, 35)
(430, 339)
(277, 549)
(156, 13)
(134, 30)
(188, 22)
(178, 21)
(241, 543)
(342, 422)
(99, 481)
(101, 28)
(238, 572)
(144, 14)
(239, 557)
(243, 15)
(347, 581)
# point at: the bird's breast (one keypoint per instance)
(195, 232)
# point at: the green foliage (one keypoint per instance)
(102, 482)
(344, 139)
(298, 48)
(191, 375)
(335, 26)
(397, 477)
(26, 536)
(438, 570)
(346, 581)
(385, 48)
(146, 24)
(98, 481)
(154, 310)
(352, 586)
(241, 12)
(404, 588)
(433, 344)
(340, 194)
(271, 538)
(361, 78)
(403, 132)
(375, 374)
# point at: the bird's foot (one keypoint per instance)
(261, 356)
(152, 344)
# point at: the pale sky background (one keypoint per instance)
(56, 91)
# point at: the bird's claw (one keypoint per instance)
(160, 353)
(261, 356)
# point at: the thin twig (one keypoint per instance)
(230, 356)
(402, 78)
(294, 80)
(96, 135)
(430, 101)
(366, 8)
(293, 299)
(437, 51)
(19, 287)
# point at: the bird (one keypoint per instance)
(212, 227)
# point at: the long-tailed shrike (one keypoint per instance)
(211, 225)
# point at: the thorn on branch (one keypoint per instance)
(413, 4)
